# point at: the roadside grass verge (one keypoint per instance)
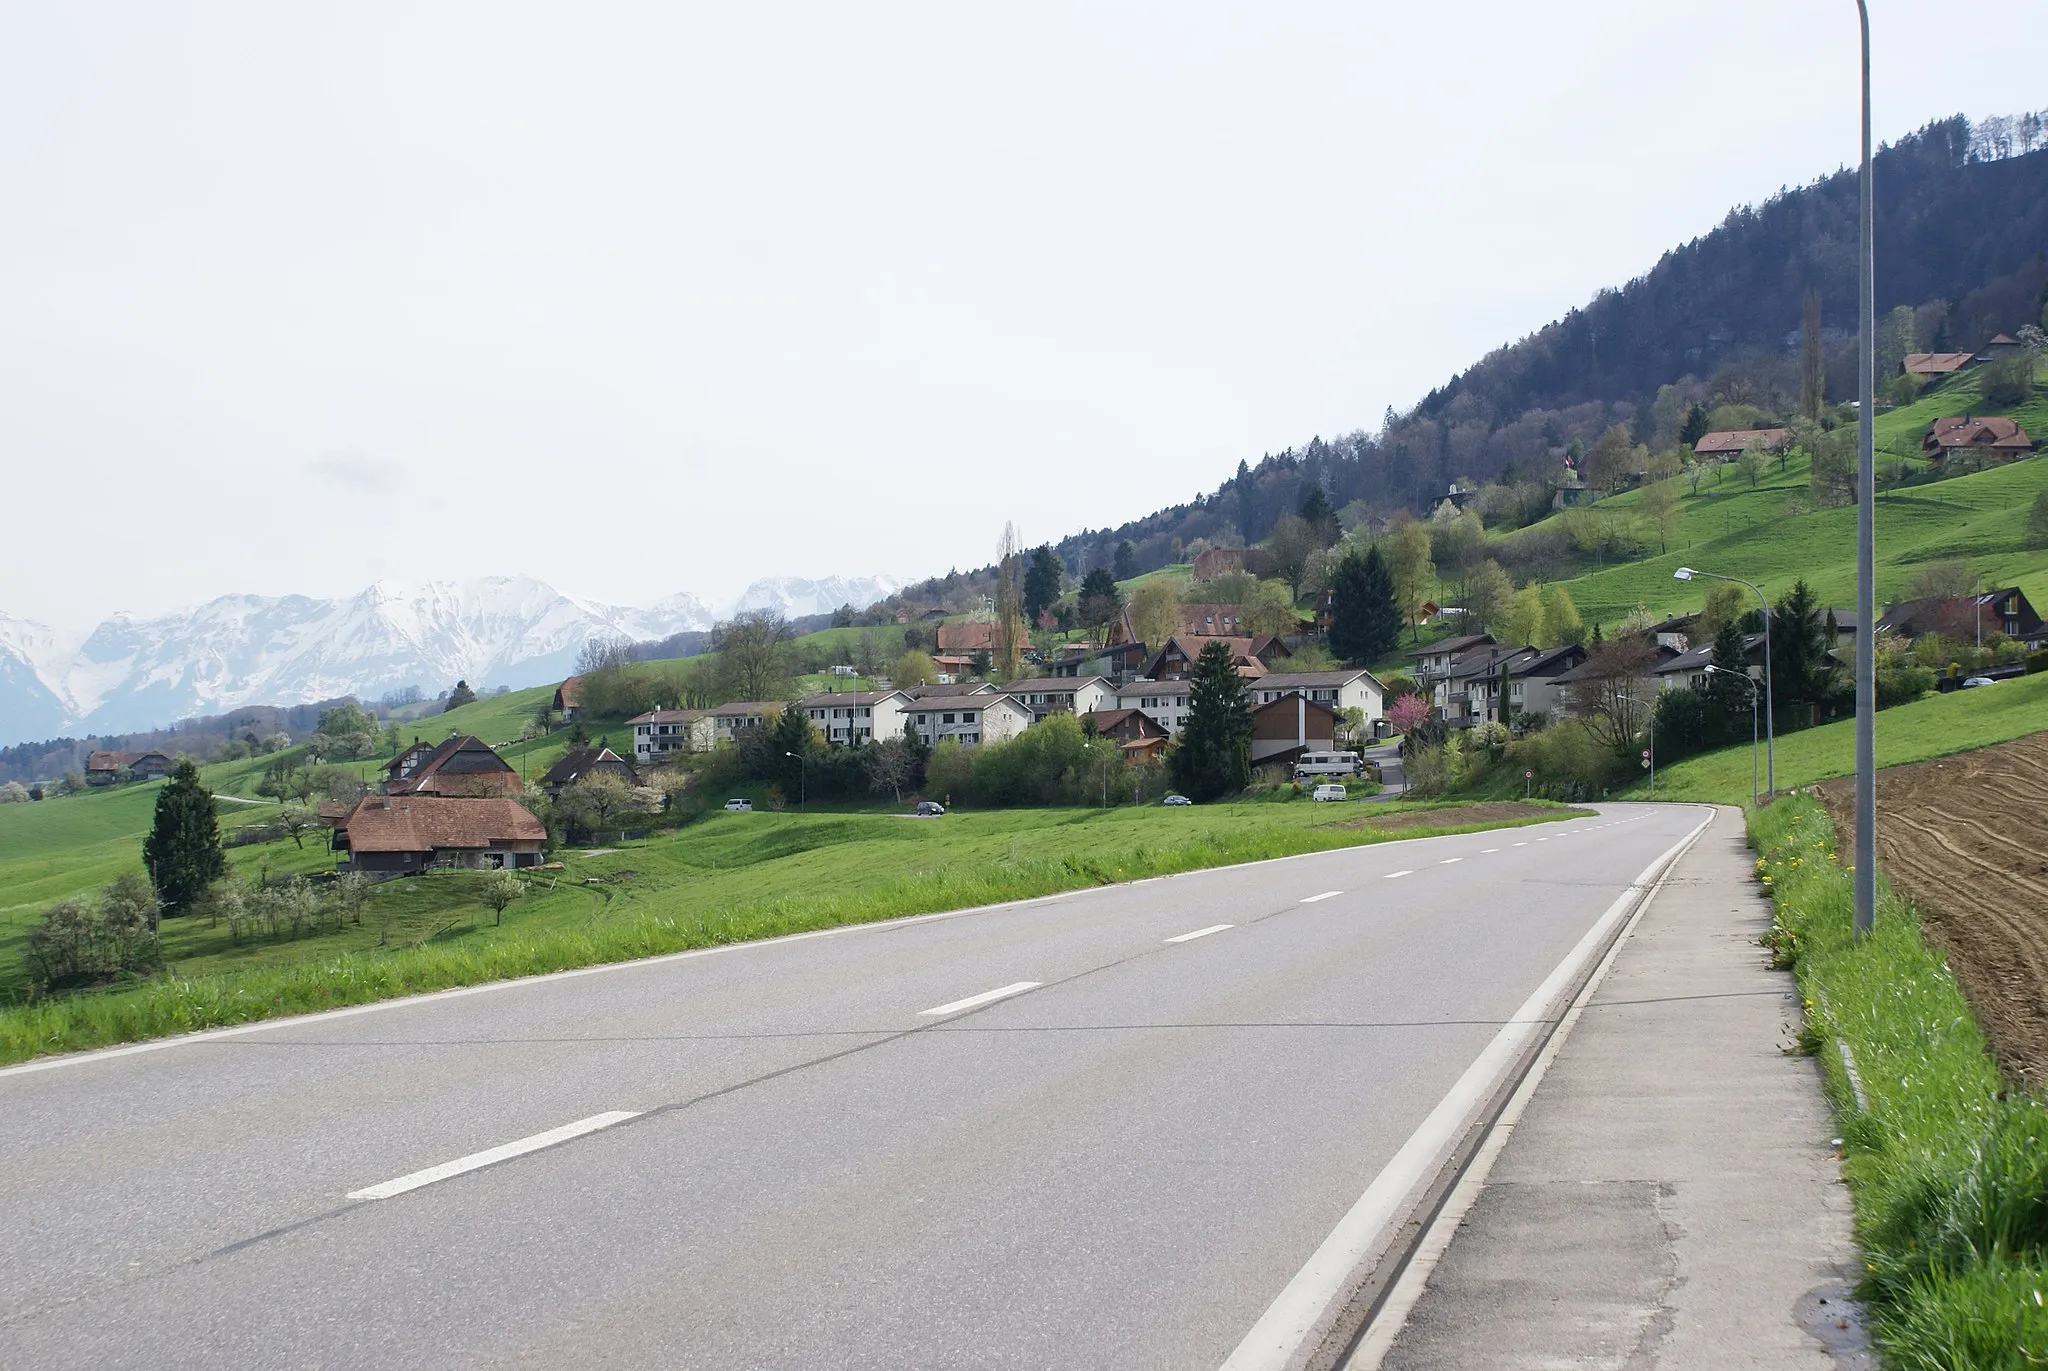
(1948, 1168)
(730, 879)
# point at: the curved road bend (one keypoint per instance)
(838, 1150)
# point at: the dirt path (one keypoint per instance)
(1966, 838)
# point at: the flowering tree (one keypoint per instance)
(1406, 712)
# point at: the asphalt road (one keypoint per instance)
(1119, 1164)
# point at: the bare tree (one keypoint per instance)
(892, 765)
(1813, 365)
(1611, 689)
(295, 821)
(753, 654)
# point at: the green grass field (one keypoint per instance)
(1936, 726)
(728, 878)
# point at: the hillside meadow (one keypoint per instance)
(1935, 726)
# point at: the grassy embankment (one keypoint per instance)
(1935, 726)
(1949, 1170)
(726, 879)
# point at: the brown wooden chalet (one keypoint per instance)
(579, 763)
(1138, 734)
(399, 835)
(1935, 363)
(107, 768)
(2000, 436)
(1252, 656)
(1285, 728)
(462, 766)
(1735, 441)
(969, 638)
(568, 701)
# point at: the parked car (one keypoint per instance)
(1326, 764)
(929, 809)
(1974, 681)
(1330, 791)
(740, 806)
(1176, 800)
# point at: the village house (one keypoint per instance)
(1140, 737)
(1968, 617)
(1688, 670)
(2001, 437)
(401, 835)
(731, 721)
(948, 689)
(579, 763)
(1729, 443)
(1936, 363)
(1046, 696)
(1350, 688)
(1164, 702)
(1467, 692)
(966, 639)
(2003, 345)
(1434, 661)
(968, 719)
(568, 701)
(107, 768)
(459, 766)
(1284, 728)
(1116, 663)
(661, 731)
(848, 717)
(1212, 562)
(1251, 656)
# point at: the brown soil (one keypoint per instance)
(1966, 838)
(1457, 816)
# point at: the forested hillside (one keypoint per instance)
(1962, 229)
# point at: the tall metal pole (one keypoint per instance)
(1866, 539)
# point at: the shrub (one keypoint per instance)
(2009, 380)
(80, 943)
(1903, 685)
(13, 793)
(1569, 762)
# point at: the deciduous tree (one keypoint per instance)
(1155, 610)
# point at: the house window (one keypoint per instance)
(949, 719)
(967, 717)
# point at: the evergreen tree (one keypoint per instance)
(791, 733)
(1126, 560)
(460, 696)
(1214, 756)
(1041, 582)
(1695, 426)
(1319, 514)
(1727, 696)
(1365, 623)
(1802, 671)
(183, 851)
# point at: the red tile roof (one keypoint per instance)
(1936, 363)
(1999, 434)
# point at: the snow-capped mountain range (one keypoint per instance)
(131, 673)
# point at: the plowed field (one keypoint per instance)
(1966, 838)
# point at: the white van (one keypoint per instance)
(1326, 764)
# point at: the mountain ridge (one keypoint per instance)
(131, 672)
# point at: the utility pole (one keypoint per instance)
(1866, 535)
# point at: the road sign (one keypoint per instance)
(1528, 774)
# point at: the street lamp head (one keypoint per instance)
(1684, 573)
(792, 754)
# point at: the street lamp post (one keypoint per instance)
(1686, 573)
(1866, 535)
(1753, 692)
(803, 781)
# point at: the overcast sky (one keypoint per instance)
(658, 297)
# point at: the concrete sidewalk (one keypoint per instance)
(1668, 1196)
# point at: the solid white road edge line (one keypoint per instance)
(1200, 933)
(1326, 895)
(1282, 1331)
(985, 997)
(1392, 1317)
(476, 1161)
